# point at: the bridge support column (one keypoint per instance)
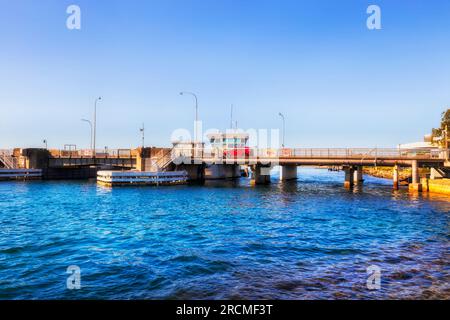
(140, 160)
(358, 175)
(395, 177)
(196, 172)
(288, 172)
(415, 185)
(349, 177)
(261, 175)
(222, 171)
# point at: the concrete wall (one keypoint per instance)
(196, 172)
(69, 173)
(147, 157)
(36, 158)
(441, 186)
(222, 171)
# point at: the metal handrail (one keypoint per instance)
(325, 153)
(6, 157)
(89, 153)
(164, 159)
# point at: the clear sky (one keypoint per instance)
(338, 83)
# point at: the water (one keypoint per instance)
(299, 240)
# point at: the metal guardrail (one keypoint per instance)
(357, 153)
(163, 159)
(88, 153)
(312, 153)
(20, 173)
(138, 177)
(7, 159)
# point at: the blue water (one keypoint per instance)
(299, 240)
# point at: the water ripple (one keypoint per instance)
(310, 239)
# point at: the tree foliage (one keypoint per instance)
(438, 134)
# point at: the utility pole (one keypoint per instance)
(90, 125)
(95, 123)
(196, 112)
(446, 142)
(231, 117)
(143, 134)
(282, 118)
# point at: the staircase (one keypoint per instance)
(443, 171)
(161, 161)
(7, 161)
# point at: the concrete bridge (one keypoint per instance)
(351, 161)
(201, 163)
(67, 164)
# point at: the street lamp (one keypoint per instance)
(45, 142)
(196, 111)
(143, 134)
(95, 123)
(90, 124)
(446, 142)
(284, 126)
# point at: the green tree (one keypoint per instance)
(440, 135)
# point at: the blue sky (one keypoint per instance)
(338, 83)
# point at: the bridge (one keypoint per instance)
(351, 160)
(217, 163)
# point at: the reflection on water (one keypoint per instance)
(302, 239)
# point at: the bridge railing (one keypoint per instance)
(362, 153)
(7, 159)
(324, 153)
(88, 153)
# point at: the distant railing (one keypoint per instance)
(366, 153)
(310, 153)
(163, 159)
(137, 177)
(7, 159)
(88, 153)
(166, 155)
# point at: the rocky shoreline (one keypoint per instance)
(387, 172)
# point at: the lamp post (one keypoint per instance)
(284, 126)
(45, 142)
(90, 125)
(446, 142)
(95, 123)
(196, 111)
(231, 117)
(143, 134)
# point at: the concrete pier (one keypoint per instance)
(222, 171)
(288, 172)
(261, 174)
(358, 175)
(195, 172)
(349, 177)
(415, 185)
(395, 177)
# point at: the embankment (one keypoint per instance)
(441, 186)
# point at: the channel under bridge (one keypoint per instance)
(351, 160)
(222, 163)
